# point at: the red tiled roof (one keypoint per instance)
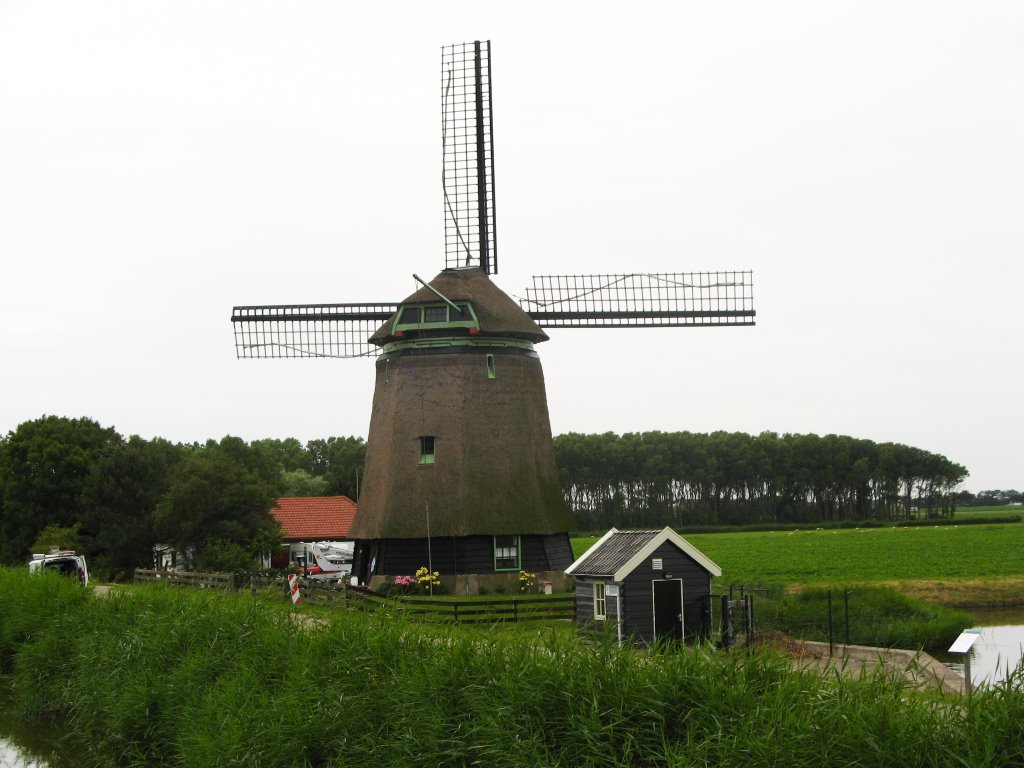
(314, 518)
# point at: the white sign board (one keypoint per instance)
(963, 643)
(612, 590)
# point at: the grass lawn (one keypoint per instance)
(957, 565)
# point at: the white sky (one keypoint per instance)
(161, 162)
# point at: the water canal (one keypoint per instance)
(25, 744)
(998, 651)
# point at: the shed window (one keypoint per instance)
(506, 553)
(599, 601)
(427, 449)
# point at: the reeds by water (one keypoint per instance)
(868, 614)
(189, 677)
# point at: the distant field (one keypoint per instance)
(871, 555)
(981, 513)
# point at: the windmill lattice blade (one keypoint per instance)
(641, 300)
(467, 174)
(308, 330)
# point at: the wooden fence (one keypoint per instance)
(314, 592)
(224, 581)
(514, 609)
(498, 610)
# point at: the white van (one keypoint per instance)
(63, 561)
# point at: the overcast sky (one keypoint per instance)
(161, 162)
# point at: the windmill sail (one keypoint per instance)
(467, 175)
(308, 330)
(641, 300)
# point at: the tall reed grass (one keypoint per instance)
(873, 615)
(162, 677)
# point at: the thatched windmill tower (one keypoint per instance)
(460, 471)
(459, 456)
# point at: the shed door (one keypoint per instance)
(668, 609)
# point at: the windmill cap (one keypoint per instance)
(497, 313)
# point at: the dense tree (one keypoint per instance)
(216, 513)
(119, 499)
(57, 537)
(289, 452)
(212, 502)
(339, 460)
(299, 482)
(658, 478)
(44, 464)
(995, 498)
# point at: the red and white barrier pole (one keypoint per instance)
(293, 586)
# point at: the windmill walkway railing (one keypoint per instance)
(501, 610)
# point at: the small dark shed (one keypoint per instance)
(647, 585)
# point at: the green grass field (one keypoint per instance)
(867, 555)
(984, 513)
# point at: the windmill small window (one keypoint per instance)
(427, 449)
(411, 316)
(435, 314)
(506, 553)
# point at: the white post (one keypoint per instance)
(963, 645)
(618, 615)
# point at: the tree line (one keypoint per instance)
(994, 498)
(76, 484)
(681, 478)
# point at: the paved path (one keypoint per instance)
(855, 660)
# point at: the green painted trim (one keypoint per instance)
(456, 341)
(519, 554)
(600, 601)
(398, 326)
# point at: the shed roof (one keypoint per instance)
(316, 518)
(618, 553)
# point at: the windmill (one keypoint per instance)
(460, 469)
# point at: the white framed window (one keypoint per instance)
(506, 553)
(600, 602)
